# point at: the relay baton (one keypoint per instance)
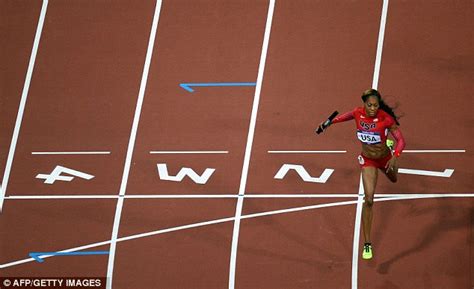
(327, 122)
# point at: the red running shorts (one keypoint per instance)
(377, 163)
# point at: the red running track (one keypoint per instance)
(83, 94)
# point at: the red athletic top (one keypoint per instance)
(373, 130)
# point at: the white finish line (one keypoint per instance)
(215, 196)
(247, 196)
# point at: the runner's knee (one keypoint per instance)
(369, 201)
(391, 177)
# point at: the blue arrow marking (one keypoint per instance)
(37, 255)
(187, 86)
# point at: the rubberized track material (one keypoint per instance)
(74, 97)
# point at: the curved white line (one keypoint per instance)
(247, 196)
(229, 219)
(189, 226)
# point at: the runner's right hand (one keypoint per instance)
(321, 126)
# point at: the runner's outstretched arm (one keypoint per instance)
(341, 118)
(344, 117)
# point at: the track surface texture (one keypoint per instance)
(178, 137)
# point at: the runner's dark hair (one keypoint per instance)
(382, 105)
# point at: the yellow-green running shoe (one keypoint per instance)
(367, 253)
(390, 144)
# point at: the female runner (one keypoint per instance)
(374, 120)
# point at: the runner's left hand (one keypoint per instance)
(391, 164)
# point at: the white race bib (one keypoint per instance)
(369, 137)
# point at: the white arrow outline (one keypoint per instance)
(446, 174)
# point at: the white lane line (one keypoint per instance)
(131, 144)
(307, 152)
(433, 151)
(73, 153)
(223, 220)
(21, 108)
(189, 152)
(355, 246)
(375, 82)
(378, 58)
(248, 149)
